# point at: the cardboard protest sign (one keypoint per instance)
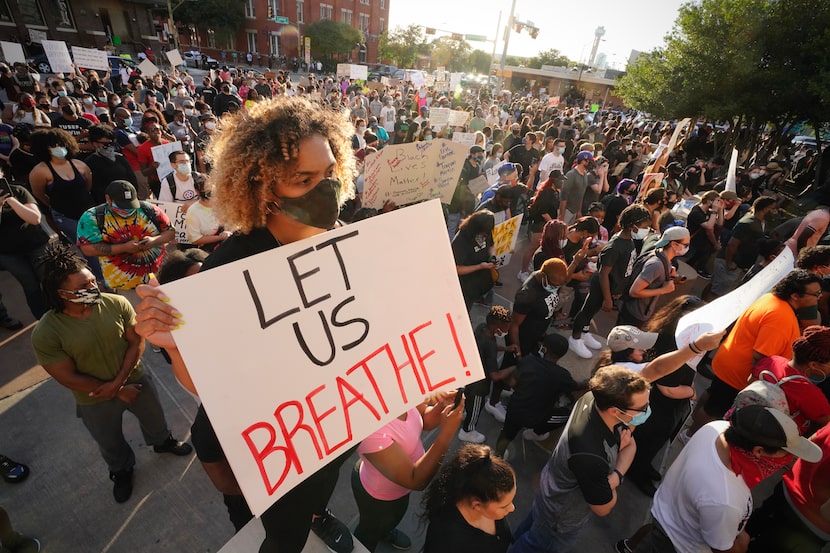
(553, 101)
(148, 68)
(374, 85)
(174, 57)
(161, 153)
(174, 212)
(90, 58)
(407, 173)
(308, 360)
(37, 36)
(478, 185)
(58, 56)
(12, 52)
(650, 180)
(439, 117)
(458, 118)
(466, 138)
(661, 157)
(359, 72)
(385, 81)
(505, 236)
(723, 311)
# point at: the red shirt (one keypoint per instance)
(145, 156)
(806, 400)
(808, 484)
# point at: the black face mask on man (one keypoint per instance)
(319, 207)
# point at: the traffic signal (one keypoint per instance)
(457, 36)
(429, 31)
(518, 27)
(270, 11)
(533, 32)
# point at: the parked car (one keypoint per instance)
(41, 63)
(198, 60)
(381, 70)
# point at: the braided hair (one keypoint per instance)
(812, 345)
(60, 262)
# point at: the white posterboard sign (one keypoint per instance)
(148, 68)
(478, 185)
(458, 118)
(417, 78)
(314, 362)
(455, 80)
(733, 168)
(359, 72)
(466, 138)
(90, 58)
(12, 52)
(439, 117)
(58, 56)
(161, 155)
(492, 175)
(429, 80)
(36, 36)
(407, 173)
(384, 81)
(176, 215)
(174, 57)
(505, 236)
(722, 312)
(344, 69)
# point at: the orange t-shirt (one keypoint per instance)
(768, 326)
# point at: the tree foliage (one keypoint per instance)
(479, 62)
(549, 57)
(402, 46)
(332, 39)
(450, 53)
(221, 15)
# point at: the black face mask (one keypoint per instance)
(319, 207)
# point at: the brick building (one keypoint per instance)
(132, 26)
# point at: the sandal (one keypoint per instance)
(12, 471)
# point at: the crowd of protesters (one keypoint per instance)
(78, 233)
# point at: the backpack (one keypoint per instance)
(146, 207)
(637, 268)
(765, 392)
(198, 183)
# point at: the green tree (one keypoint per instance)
(450, 53)
(402, 46)
(549, 57)
(479, 61)
(225, 17)
(332, 40)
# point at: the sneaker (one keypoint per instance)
(622, 547)
(122, 488)
(590, 341)
(398, 540)
(704, 275)
(471, 436)
(577, 346)
(11, 324)
(171, 445)
(12, 471)
(529, 434)
(499, 411)
(498, 284)
(523, 276)
(334, 533)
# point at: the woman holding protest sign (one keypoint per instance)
(281, 172)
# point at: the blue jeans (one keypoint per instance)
(540, 536)
(27, 269)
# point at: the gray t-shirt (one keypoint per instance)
(654, 272)
(573, 190)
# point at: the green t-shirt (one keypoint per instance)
(96, 345)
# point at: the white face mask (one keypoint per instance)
(640, 233)
(500, 333)
(684, 248)
(210, 125)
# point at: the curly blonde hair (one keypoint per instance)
(258, 148)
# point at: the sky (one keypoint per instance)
(632, 25)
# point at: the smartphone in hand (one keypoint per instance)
(5, 188)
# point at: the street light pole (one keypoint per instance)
(506, 42)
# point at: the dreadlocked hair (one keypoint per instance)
(60, 262)
(812, 345)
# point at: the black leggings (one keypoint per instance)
(592, 306)
(377, 517)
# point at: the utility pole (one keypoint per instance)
(506, 42)
(493, 57)
(172, 24)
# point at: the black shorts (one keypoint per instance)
(208, 448)
(721, 398)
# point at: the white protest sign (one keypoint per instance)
(722, 312)
(429, 80)
(439, 117)
(12, 52)
(176, 215)
(733, 167)
(478, 185)
(307, 362)
(407, 173)
(417, 78)
(37, 36)
(492, 175)
(148, 68)
(344, 69)
(466, 138)
(359, 72)
(505, 236)
(441, 73)
(161, 155)
(174, 57)
(458, 118)
(58, 56)
(384, 81)
(455, 80)
(90, 58)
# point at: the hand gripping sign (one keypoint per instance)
(300, 352)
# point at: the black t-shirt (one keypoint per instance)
(16, 235)
(696, 218)
(524, 157)
(105, 171)
(75, 127)
(614, 206)
(619, 254)
(448, 532)
(546, 202)
(540, 383)
(22, 164)
(749, 231)
(473, 250)
(538, 306)
(487, 349)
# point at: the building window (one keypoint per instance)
(273, 8)
(325, 11)
(364, 2)
(5, 13)
(275, 44)
(30, 13)
(383, 4)
(250, 12)
(252, 41)
(300, 6)
(211, 38)
(382, 25)
(346, 16)
(363, 20)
